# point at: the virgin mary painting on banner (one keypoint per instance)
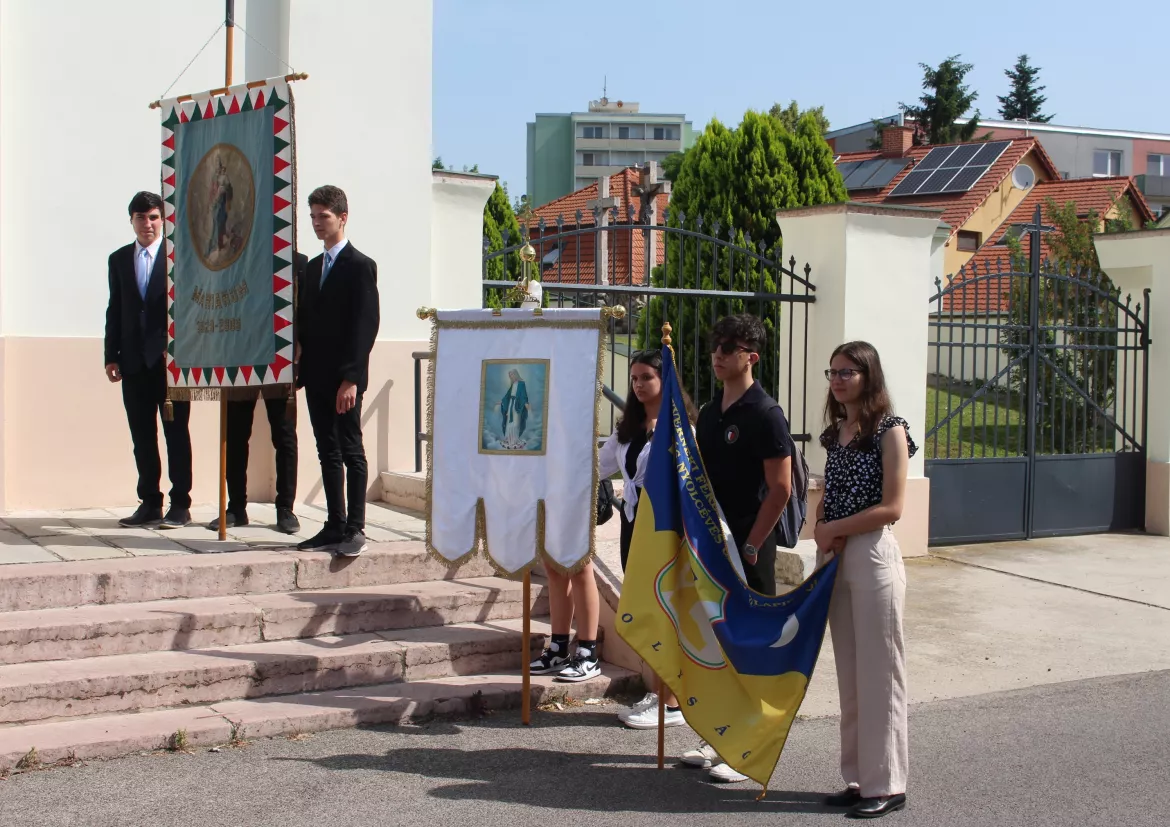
(516, 473)
(228, 183)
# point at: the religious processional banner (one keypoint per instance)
(513, 418)
(739, 661)
(228, 183)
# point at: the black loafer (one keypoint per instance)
(846, 798)
(877, 807)
(287, 522)
(233, 521)
(176, 518)
(145, 516)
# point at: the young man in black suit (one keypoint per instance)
(136, 338)
(282, 422)
(337, 322)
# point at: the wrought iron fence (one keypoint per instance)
(688, 272)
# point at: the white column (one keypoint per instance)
(457, 202)
(871, 266)
(1136, 261)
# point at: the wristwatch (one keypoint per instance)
(750, 551)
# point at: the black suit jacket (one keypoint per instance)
(136, 329)
(337, 322)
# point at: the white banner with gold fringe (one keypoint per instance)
(512, 414)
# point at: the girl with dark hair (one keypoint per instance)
(626, 451)
(869, 451)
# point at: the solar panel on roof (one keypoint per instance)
(862, 171)
(846, 168)
(881, 176)
(951, 169)
(934, 159)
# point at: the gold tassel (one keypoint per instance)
(763, 793)
(169, 411)
(292, 401)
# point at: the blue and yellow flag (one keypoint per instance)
(739, 661)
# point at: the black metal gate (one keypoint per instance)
(1036, 402)
(685, 271)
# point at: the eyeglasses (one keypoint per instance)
(845, 374)
(729, 347)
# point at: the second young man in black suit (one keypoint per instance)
(282, 422)
(136, 337)
(337, 322)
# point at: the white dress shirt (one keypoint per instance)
(144, 258)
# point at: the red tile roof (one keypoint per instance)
(957, 207)
(991, 294)
(576, 263)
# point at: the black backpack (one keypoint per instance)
(606, 500)
(792, 519)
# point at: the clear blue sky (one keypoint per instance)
(498, 62)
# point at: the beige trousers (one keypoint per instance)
(865, 618)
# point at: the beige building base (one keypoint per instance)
(1158, 498)
(65, 442)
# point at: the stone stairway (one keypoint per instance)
(107, 657)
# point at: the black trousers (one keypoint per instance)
(339, 443)
(282, 421)
(143, 394)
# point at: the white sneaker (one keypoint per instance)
(702, 756)
(648, 700)
(648, 718)
(724, 774)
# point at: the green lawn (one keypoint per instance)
(989, 426)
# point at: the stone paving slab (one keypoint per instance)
(94, 533)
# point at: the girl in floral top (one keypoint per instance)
(869, 451)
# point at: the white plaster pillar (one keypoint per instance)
(870, 266)
(1136, 261)
(457, 203)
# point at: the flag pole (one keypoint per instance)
(230, 25)
(526, 654)
(666, 329)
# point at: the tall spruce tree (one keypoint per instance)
(945, 99)
(730, 184)
(1024, 101)
(790, 115)
(499, 221)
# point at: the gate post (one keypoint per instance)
(1136, 262)
(871, 266)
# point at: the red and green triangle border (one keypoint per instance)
(276, 94)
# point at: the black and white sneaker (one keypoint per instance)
(548, 663)
(580, 669)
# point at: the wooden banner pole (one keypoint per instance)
(526, 654)
(230, 24)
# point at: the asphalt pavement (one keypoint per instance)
(1090, 752)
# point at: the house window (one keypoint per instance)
(592, 132)
(969, 241)
(1157, 164)
(623, 133)
(1106, 162)
(588, 159)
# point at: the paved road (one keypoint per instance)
(1093, 752)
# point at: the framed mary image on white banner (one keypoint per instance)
(513, 404)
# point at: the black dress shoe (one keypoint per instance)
(846, 798)
(233, 521)
(176, 518)
(877, 807)
(286, 521)
(324, 540)
(145, 516)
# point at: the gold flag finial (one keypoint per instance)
(666, 328)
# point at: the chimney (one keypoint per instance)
(896, 141)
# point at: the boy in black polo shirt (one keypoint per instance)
(746, 448)
(747, 452)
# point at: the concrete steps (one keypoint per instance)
(405, 489)
(107, 657)
(200, 623)
(29, 586)
(111, 736)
